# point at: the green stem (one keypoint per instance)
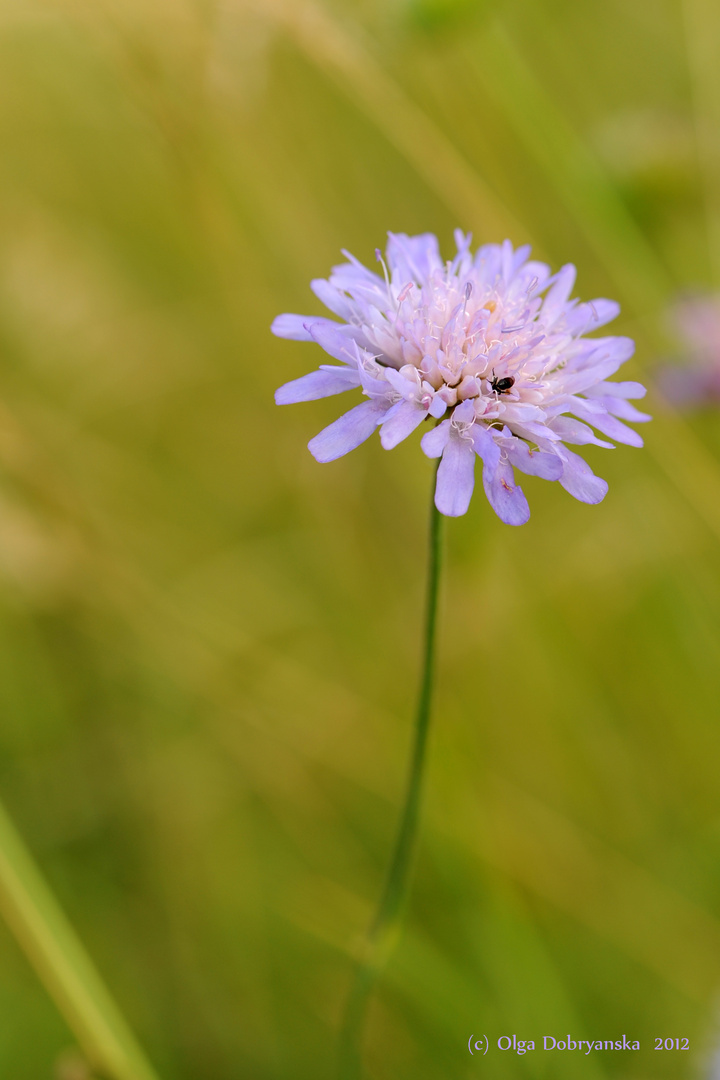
(385, 926)
(40, 927)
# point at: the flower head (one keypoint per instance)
(489, 347)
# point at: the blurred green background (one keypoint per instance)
(209, 643)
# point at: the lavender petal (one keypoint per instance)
(532, 462)
(455, 477)
(608, 425)
(401, 421)
(335, 339)
(505, 497)
(558, 293)
(318, 384)
(579, 480)
(333, 299)
(295, 327)
(575, 432)
(348, 432)
(434, 442)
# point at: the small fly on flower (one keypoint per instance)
(501, 386)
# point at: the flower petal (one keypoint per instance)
(456, 477)
(433, 442)
(574, 431)
(608, 425)
(505, 497)
(407, 387)
(337, 340)
(578, 478)
(338, 302)
(413, 258)
(485, 446)
(401, 421)
(618, 390)
(557, 295)
(622, 408)
(532, 462)
(295, 327)
(348, 432)
(318, 384)
(590, 316)
(579, 381)
(535, 432)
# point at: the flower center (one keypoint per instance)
(465, 339)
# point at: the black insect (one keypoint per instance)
(501, 386)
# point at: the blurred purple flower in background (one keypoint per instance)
(473, 344)
(696, 322)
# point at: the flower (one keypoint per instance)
(696, 322)
(490, 347)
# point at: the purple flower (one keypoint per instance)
(490, 347)
(696, 322)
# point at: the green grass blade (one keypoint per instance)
(63, 965)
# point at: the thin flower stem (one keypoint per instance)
(41, 929)
(384, 929)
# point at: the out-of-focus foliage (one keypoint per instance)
(208, 642)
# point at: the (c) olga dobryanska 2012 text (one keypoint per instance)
(481, 1045)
